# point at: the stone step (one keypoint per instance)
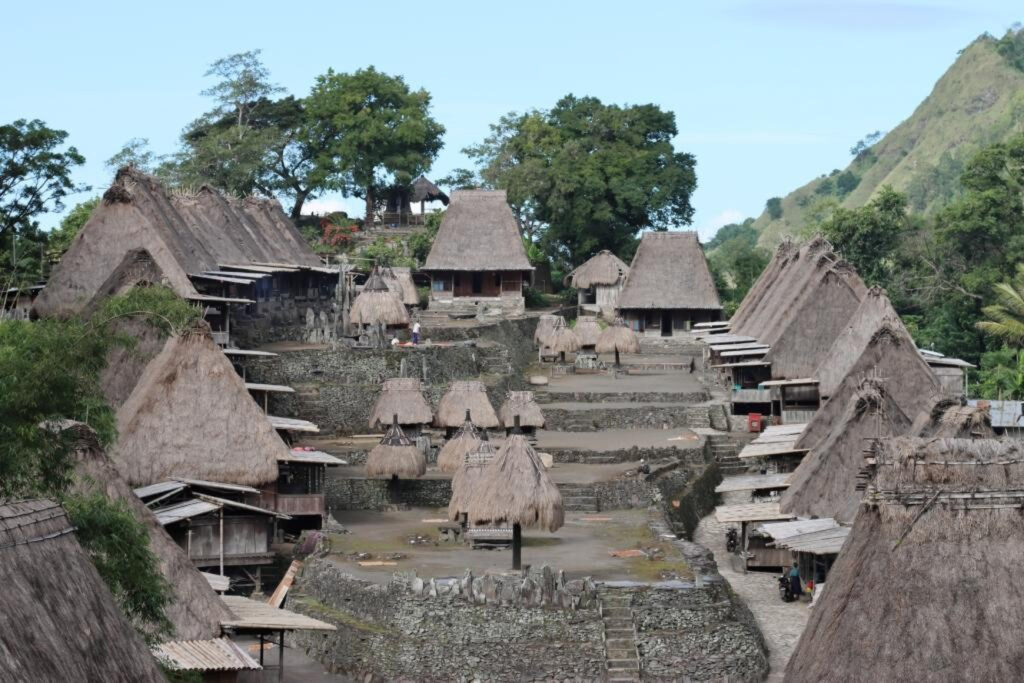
(618, 633)
(619, 643)
(618, 654)
(618, 624)
(625, 664)
(616, 612)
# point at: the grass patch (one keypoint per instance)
(340, 616)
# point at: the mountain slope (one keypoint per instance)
(978, 101)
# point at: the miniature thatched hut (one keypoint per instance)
(562, 340)
(515, 489)
(399, 281)
(59, 621)
(402, 396)
(927, 586)
(396, 456)
(521, 404)
(467, 477)
(950, 418)
(190, 416)
(587, 331)
(545, 326)
(377, 306)
(669, 287)
(598, 282)
(466, 439)
(460, 397)
(617, 339)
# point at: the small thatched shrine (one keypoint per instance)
(466, 439)
(377, 306)
(669, 287)
(587, 331)
(468, 477)
(546, 324)
(598, 282)
(396, 456)
(521, 404)
(560, 341)
(617, 339)
(399, 281)
(460, 397)
(927, 586)
(402, 396)
(952, 418)
(516, 490)
(59, 621)
(478, 257)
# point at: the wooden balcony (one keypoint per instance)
(293, 503)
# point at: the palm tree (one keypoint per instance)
(1006, 317)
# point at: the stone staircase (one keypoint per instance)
(578, 498)
(724, 451)
(622, 659)
(497, 361)
(697, 417)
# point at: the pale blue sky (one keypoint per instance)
(766, 94)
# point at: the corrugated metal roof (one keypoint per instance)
(219, 486)
(184, 510)
(754, 482)
(217, 582)
(1003, 413)
(217, 654)
(750, 512)
(292, 424)
(259, 616)
(744, 352)
(158, 488)
(277, 388)
(313, 457)
(224, 502)
(249, 352)
(783, 530)
(824, 542)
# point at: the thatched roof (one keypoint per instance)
(516, 489)
(950, 419)
(181, 233)
(805, 331)
(58, 619)
(521, 404)
(545, 324)
(927, 587)
(462, 396)
(587, 330)
(874, 310)
(466, 439)
(396, 456)
(478, 232)
(126, 363)
(399, 281)
(378, 304)
(401, 396)
(562, 340)
(196, 611)
(604, 268)
(468, 477)
(763, 284)
(619, 338)
(190, 416)
(425, 191)
(669, 271)
(825, 482)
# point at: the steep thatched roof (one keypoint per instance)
(478, 232)
(180, 233)
(619, 338)
(604, 268)
(377, 304)
(399, 281)
(874, 310)
(950, 419)
(825, 482)
(58, 620)
(562, 340)
(125, 364)
(403, 397)
(466, 439)
(462, 396)
(521, 404)
(516, 489)
(545, 324)
(190, 416)
(425, 191)
(927, 587)
(587, 331)
(468, 476)
(806, 331)
(195, 612)
(669, 271)
(763, 284)
(396, 456)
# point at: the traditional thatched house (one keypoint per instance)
(521, 405)
(587, 331)
(460, 397)
(927, 586)
(59, 621)
(396, 456)
(400, 199)
(206, 246)
(378, 306)
(403, 397)
(478, 257)
(669, 287)
(515, 490)
(453, 454)
(598, 283)
(762, 286)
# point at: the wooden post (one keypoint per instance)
(222, 541)
(261, 649)
(517, 546)
(227, 324)
(266, 398)
(280, 659)
(188, 542)
(616, 356)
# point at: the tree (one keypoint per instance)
(863, 146)
(735, 261)
(867, 236)
(774, 208)
(368, 126)
(135, 153)
(61, 236)
(1006, 317)
(1001, 375)
(590, 175)
(459, 179)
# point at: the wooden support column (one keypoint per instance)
(280, 659)
(517, 546)
(222, 541)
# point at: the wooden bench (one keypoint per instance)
(489, 537)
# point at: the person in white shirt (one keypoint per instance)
(416, 332)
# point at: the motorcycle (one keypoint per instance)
(732, 540)
(785, 591)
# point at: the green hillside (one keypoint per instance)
(978, 101)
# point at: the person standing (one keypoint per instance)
(416, 333)
(794, 582)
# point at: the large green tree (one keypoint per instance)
(369, 128)
(587, 176)
(868, 235)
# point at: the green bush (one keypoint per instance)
(534, 299)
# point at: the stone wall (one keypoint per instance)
(285, 317)
(693, 455)
(624, 396)
(697, 498)
(596, 418)
(380, 494)
(391, 633)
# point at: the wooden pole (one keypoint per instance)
(616, 357)
(222, 541)
(517, 547)
(261, 649)
(280, 659)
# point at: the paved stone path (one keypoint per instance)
(780, 622)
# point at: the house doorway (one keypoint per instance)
(478, 283)
(666, 323)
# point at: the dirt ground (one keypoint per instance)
(581, 548)
(781, 623)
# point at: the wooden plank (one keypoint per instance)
(281, 592)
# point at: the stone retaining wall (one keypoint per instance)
(622, 397)
(597, 418)
(694, 455)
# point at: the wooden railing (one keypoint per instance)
(751, 396)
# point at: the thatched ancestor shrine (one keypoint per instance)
(467, 438)
(402, 396)
(461, 396)
(478, 256)
(669, 287)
